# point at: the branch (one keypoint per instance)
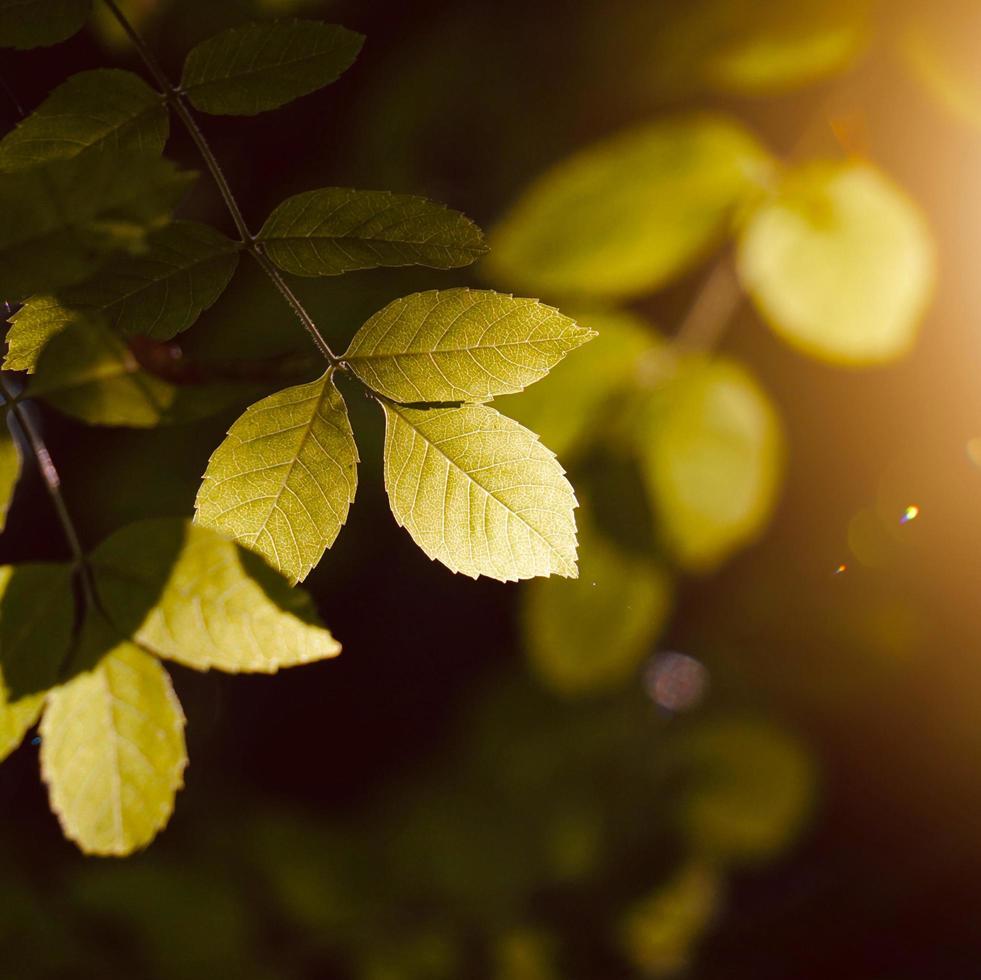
(713, 308)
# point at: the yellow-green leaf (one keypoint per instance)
(113, 752)
(336, 229)
(31, 327)
(190, 595)
(260, 66)
(16, 719)
(627, 215)
(590, 635)
(39, 23)
(479, 492)
(163, 289)
(841, 264)
(10, 464)
(460, 345)
(711, 453)
(282, 481)
(101, 110)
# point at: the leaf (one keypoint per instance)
(479, 492)
(31, 327)
(260, 66)
(113, 752)
(711, 452)
(38, 23)
(105, 110)
(190, 595)
(88, 372)
(59, 222)
(16, 719)
(37, 620)
(282, 481)
(460, 345)
(590, 635)
(567, 408)
(162, 290)
(840, 263)
(10, 466)
(334, 230)
(629, 214)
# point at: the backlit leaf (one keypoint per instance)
(460, 345)
(590, 635)
(840, 262)
(282, 481)
(38, 23)
(260, 66)
(479, 492)
(113, 752)
(336, 229)
(163, 289)
(102, 110)
(16, 719)
(627, 215)
(31, 327)
(190, 595)
(10, 464)
(711, 452)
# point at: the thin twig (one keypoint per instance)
(175, 98)
(715, 304)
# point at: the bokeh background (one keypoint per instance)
(771, 769)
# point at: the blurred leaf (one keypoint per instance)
(38, 23)
(37, 620)
(10, 465)
(260, 66)
(460, 345)
(162, 290)
(189, 595)
(525, 954)
(105, 110)
(590, 635)
(113, 753)
(334, 230)
(627, 215)
(479, 492)
(711, 452)
(840, 262)
(282, 481)
(31, 327)
(749, 789)
(567, 407)
(88, 372)
(16, 719)
(659, 932)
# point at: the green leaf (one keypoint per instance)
(590, 635)
(37, 620)
(10, 464)
(162, 290)
(16, 719)
(629, 214)
(260, 66)
(88, 372)
(841, 264)
(194, 597)
(479, 492)
(59, 222)
(31, 327)
(105, 110)
(334, 230)
(460, 345)
(113, 752)
(568, 408)
(711, 453)
(282, 481)
(38, 23)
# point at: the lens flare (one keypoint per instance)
(910, 514)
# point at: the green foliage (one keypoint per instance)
(460, 345)
(257, 67)
(283, 480)
(94, 111)
(31, 327)
(840, 262)
(336, 229)
(37, 23)
(479, 492)
(10, 466)
(113, 753)
(627, 215)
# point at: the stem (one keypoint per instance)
(52, 481)
(713, 308)
(176, 100)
